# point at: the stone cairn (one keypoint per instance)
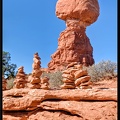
(68, 77)
(45, 83)
(20, 81)
(82, 79)
(75, 77)
(36, 73)
(4, 83)
(73, 43)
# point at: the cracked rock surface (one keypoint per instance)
(100, 103)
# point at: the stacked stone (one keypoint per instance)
(4, 83)
(82, 79)
(45, 83)
(20, 80)
(75, 77)
(36, 73)
(68, 77)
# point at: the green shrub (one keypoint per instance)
(102, 70)
(55, 79)
(10, 83)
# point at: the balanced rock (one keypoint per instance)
(20, 80)
(34, 78)
(4, 83)
(86, 11)
(45, 83)
(73, 44)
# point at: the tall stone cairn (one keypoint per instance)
(20, 80)
(73, 44)
(4, 83)
(36, 73)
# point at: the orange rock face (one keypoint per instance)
(65, 104)
(73, 44)
(86, 11)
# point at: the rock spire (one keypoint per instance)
(73, 43)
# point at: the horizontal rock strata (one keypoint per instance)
(74, 104)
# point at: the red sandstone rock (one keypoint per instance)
(86, 83)
(16, 99)
(73, 44)
(75, 77)
(100, 102)
(66, 80)
(20, 80)
(69, 76)
(87, 11)
(71, 64)
(79, 66)
(82, 80)
(76, 104)
(70, 71)
(45, 83)
(35, 86)
(34, 79)
(67, 86)
(80, 73)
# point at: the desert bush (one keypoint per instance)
(102, 69)
(55, 79)
(10, 83)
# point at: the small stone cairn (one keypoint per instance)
(36, 73)
(45, 83)
(75, 77)
(4, 83)
(82, 79)
(20, 81)
(68, 77)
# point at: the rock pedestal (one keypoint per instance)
(4, 83)
(73, 44)
(20, 81)
(36, 73)
(45, 83)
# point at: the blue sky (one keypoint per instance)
(31, 26)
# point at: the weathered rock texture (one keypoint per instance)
(75, 77)
(39, 104)
(73, 44)
(4, 83)
(34, 79)
(45, 83)
(20, 80)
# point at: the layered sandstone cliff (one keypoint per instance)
(73, 43)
